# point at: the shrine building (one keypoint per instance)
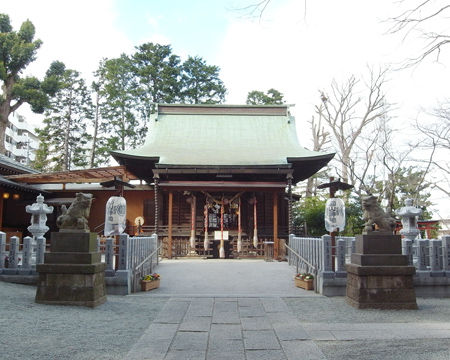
(219, 168)
(218, 179)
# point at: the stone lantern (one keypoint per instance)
(408, 215)
(38, 226)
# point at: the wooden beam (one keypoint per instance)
(276, 241)
(169, 250)
(75, 176)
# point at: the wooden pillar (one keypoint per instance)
(276, 242)
(193, 217)
(169, 250)
(333, 233)
(290, 214)
(156, 188)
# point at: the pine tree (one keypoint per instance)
(65, 124)
(201, 82)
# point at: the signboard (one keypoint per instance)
(115, 216)
(334, 215)
(217, 235)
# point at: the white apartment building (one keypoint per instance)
(20, 141)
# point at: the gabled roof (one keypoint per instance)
(6, 183)
(182, 136)
(9, 166)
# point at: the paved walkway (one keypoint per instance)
(247, 310)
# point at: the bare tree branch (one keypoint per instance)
(348, 114)
(416, 19)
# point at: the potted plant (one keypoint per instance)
(304, 281)
(150, 282)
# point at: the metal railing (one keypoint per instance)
(303, 264)
(145, 267)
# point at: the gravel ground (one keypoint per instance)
(431, 349)
(34, 331)
(336, 310)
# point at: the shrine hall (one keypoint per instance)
(223, 176)
(216, 180)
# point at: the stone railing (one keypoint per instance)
(430, 257)
(20, 258)
(126, 260)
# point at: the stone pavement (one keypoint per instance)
(225, 328)
(251, 310)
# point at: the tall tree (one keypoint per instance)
(271, 97)
(65, 124)
(158, 74)
(349, 114)
(17, 51)
(201, 82)
(120, 126)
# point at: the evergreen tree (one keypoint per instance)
(119, 125)
(158, 74)
(272, 97)
(201, 82)
(66, 119)
(17, 51)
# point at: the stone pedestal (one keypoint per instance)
(72, 273)
(379, 276)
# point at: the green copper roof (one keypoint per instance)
(221, 139)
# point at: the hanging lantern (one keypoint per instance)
(334, 215)
(115, 216)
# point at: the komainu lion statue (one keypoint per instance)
(374, 215)
(75, 217)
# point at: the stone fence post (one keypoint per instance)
(422, 255)
(327, 268)
(435, 257)
(26, 252)
(40, 249)
(340, 255)
(2, 249)
(446, 254)
(124, 252)
(109, 256)
(14, 252)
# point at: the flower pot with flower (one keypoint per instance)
(150, 282)
(304, 281)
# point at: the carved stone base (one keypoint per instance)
(379, 277)
(72, 273)
(380, 287)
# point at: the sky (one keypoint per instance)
(297, 47)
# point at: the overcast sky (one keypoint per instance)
(296, 47)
